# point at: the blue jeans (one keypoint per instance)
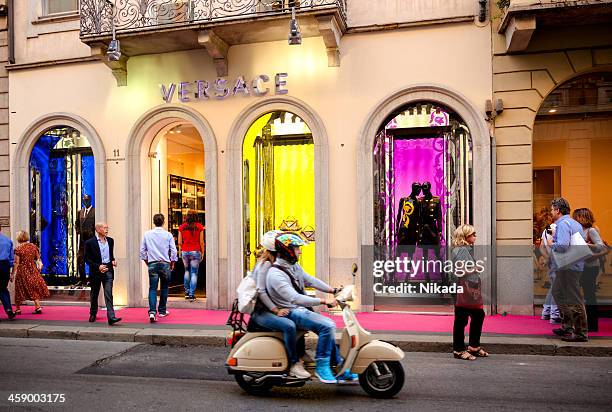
(159, 272)
(281, 324)
(191, 260)
(550, 306)
(324, 327)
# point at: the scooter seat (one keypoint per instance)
(255, 327)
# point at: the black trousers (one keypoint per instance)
(102, 280)
(462, 315)
(5, 274)
(588, 282)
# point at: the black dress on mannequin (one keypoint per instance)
(431, 223)
(408, 217)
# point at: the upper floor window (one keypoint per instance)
(51, 7)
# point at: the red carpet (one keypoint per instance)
(511, 324)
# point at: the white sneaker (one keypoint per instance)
(152, 318)
(163, 315)
(298, 371)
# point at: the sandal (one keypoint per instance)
(478, 352)
(37, 311)
(464, 356)
(18, 312)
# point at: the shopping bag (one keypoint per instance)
(577, 251)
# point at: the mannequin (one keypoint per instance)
(408, 217)
(85, 229)
(431, 223)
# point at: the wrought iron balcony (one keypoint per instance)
(140, 15)
(160, 26)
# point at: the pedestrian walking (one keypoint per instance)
(588, 279)
(100, 257)
(29, 284)
(158, 251)
(550, 309)
(7, 258)
(191, 245)
(566, 289)
(469, 305)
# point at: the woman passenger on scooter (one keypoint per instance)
(285, 286)
(267, 314)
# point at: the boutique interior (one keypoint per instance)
(572, 148)
(61, 173)
(177, 188)
(278, 188)
(423, 190)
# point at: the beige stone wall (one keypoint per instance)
(523, 81)
(4, 134)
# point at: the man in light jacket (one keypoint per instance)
(566, 287)
(158, 251)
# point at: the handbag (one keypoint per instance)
(577, 251)
(247, 294)
(308, 233)
(605, 249)
(290, 224)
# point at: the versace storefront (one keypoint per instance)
(349, 155)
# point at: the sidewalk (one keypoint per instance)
(424, 333)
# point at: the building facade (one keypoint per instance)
(209, 110)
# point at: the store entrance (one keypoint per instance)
(62, 208)
(178, 191)
(278, 188)
(422, 193)
(572, 148)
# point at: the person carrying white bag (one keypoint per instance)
(569, 251)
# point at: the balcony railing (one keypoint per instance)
(137, 15)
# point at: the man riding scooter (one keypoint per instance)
(285, 286)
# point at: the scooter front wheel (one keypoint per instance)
(382, 379)
(247, 383)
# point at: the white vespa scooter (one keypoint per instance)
(258, 360)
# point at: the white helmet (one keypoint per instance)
(268, 240)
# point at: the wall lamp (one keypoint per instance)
(295, 37)
(114, 47)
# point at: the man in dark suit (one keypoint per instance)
(85, 229)
(100, 258)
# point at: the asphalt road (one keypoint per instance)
(108, 376)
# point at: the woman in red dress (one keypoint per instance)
(29, 284)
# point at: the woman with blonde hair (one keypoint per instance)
(468, 305)
(29, 284)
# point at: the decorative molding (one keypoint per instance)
(217, 49)
(332, 32)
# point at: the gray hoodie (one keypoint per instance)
(281, 290)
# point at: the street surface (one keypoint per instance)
(109, 376)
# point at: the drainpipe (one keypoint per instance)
(493, 223)
(11, 32)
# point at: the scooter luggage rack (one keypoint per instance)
(238, 324)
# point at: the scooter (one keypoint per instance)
(258, 360)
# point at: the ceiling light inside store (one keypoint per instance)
(295, 37)
(552, 110)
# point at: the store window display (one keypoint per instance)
(62, 185)
(278, 183)
(422, 185)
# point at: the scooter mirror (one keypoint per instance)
(354, 269)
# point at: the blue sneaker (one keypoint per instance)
(323, 371)
(348, 378)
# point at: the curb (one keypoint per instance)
(198, 337)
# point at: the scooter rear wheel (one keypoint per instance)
(386, 383)
(249, 385)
